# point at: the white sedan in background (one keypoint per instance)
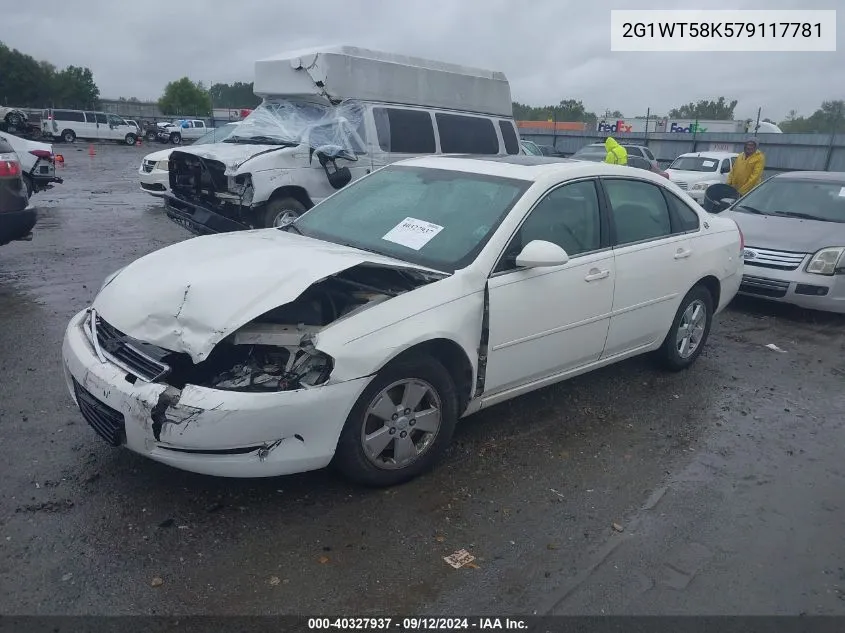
(154, 172)
(695, 172)
(421, 293)
(38, 163)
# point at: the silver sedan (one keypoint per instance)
(794, 227)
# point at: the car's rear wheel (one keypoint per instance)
(401, 424)
(130, 139)
(282, 211)
(30, 186)
(689, 332)
(68, 136)
(151, 136)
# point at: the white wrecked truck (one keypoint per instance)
(329, 117)
(362, 331)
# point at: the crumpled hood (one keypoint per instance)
(233, 155)
(787, 234)
(190, 296)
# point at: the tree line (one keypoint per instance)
(31, 83)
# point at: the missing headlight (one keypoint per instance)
(269, 369)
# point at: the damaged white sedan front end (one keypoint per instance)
(186, 361)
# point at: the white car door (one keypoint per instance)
(655, 262)
(544, 321)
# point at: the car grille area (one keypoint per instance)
(766, 258)
(108, 423)
(126, 352)
(772, 288)
(682, 185)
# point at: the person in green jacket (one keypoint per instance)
(616, 154)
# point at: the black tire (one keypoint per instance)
(350, 458)
(68, 136)
(176, 138)
(130, 139)
(30, 186)
(278, 208)
(151, 136)
(669, 355)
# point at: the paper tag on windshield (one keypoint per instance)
(412, 233)
(708, 163)
(842, 192)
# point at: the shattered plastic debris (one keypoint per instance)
(275, 580)
(775, 348)
(618, 528)
(323, 560)
(156, 582)
(559, 494)
(459, 559)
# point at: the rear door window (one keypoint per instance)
(102, 119)
(68, 115)
(635, 151)
(405, 131)
(466, 134)
(509, 137)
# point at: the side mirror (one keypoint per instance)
(541, 254)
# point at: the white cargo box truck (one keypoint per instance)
(330, 116)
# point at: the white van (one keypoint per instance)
(330, 116)
(69, 125)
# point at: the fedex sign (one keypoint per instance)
(692, 128)
(619, 126)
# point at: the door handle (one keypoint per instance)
(595, 274)
(683, 253)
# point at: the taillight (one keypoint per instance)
(9, 166)
(42, 153)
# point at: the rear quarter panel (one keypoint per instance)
(718, 254)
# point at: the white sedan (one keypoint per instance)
(38, 163)
(415, 296)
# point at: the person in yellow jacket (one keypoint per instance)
(747, 171)
(616, 154)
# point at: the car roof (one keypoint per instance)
(835, 177)
(530, 168)
(718, 155)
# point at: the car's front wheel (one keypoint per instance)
(176, 138)
(689, 331)
(282, 211)
(68, 136)
(151, 136)
(130, 139)
(401, 424)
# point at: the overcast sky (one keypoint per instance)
(549, 49)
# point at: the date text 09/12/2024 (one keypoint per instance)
(417, 624)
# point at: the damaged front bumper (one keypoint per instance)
(202, 430)
(200, 219)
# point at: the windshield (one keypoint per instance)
(436, 218)
(217, 135)
(808, 199)
(695, 163)
(291, 122)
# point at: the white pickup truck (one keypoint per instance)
(187, 129)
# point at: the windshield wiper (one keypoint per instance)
(803, 216)
(751, 209)
(260, 140)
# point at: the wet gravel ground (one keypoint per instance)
(575, 498)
